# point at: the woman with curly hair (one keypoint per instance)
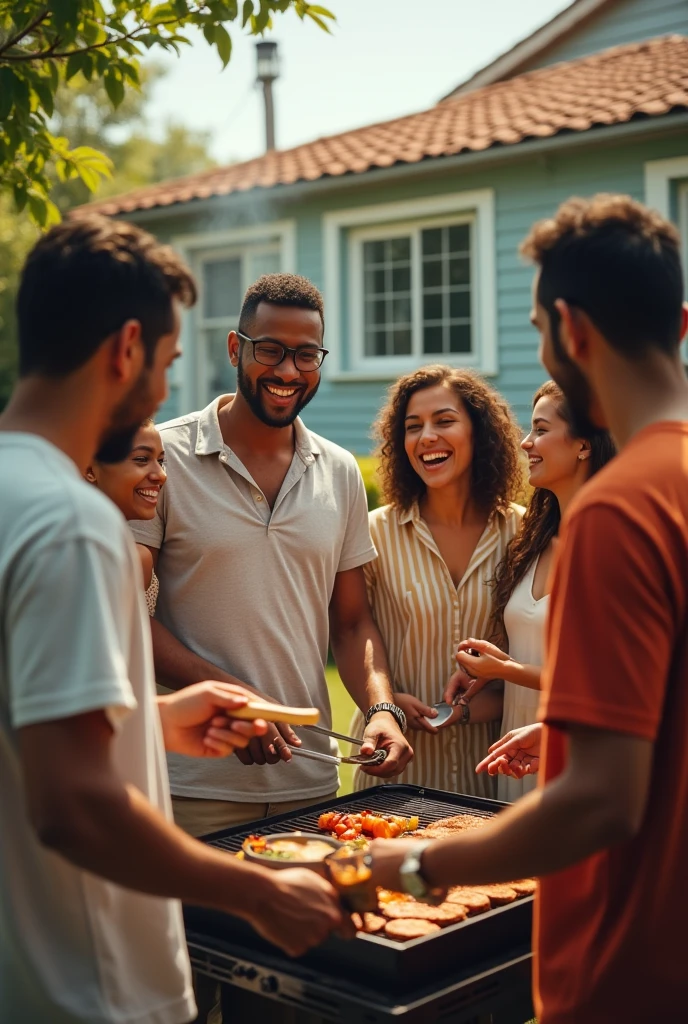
(559, 464)
(450, 470)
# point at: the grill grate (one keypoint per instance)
(428, 809)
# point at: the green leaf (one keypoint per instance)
(247, 12)
(38, 207)
(260, 21)
(114, 87)
(130, 70)
(318, 21)
(209, 32)
(73, 66)
(20, 195)
(6, 92)
(42, 89)
(223, 42)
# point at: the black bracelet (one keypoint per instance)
(393, 709)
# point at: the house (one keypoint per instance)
(411, 227)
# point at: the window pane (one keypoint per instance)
(459, 238)
(220, 374)
(432, 306)
(374, 252)
(460, 304)
(370, 342)
(399, 249)
(401, 311)
(401, 279)
(376, 313)
(387, 287)
(459, 271)
(460, 338)
(222, 288)
(432, 273)
(432, 340)
(401, 343)
(375, 282)
(432, 241)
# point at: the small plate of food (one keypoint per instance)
(291, 850)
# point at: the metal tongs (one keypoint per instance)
(362, 759)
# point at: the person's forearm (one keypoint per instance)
(547, 830)
(362, 663)
(522, 675)
(117, 834)
(176, 666)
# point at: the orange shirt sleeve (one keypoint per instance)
(610, 630)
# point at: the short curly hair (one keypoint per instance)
(619, 262)
(497, 468)
(280, 290)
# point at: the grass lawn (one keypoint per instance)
(342, 709)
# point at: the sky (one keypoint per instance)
(384, 59)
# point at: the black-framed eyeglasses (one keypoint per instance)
(271, 353)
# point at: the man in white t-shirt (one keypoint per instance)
(91, 866)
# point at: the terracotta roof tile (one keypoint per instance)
(612, 87)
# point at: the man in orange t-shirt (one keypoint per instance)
(607, 830)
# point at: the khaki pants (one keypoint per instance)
(201, 817)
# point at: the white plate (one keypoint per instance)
(444, 713)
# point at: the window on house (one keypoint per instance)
(224, 277)
(417, 292)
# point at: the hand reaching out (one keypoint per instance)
(516, 754)
(197, 721)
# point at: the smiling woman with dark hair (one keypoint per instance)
(450, 469)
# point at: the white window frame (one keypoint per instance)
(383, 221)
(402, 364)
(190, 370)
(660, 175)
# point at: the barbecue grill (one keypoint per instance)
(474, 968)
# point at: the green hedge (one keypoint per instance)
(368, 466)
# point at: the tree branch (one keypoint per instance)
(25, 32)
(110, 41)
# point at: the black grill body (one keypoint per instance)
(477, 963)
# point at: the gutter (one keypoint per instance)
(607, 135)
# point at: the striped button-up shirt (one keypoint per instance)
(422, 616)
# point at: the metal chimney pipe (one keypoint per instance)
(267, 70)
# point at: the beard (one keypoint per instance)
(577, 391)
(116, 443)
(254, 401)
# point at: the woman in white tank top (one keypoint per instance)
(559, 464)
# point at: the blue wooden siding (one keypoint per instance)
(526, 189)
(627, 21)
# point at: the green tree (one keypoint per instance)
(46, 42)
(83, 110)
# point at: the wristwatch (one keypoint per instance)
(410, 873)
(393, 710)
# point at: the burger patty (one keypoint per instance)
(475, 902)
(409, 928)
(445, 913)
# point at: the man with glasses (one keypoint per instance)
(259, 543)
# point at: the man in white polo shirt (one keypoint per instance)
(259, 543)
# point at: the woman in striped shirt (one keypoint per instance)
(450, 468)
